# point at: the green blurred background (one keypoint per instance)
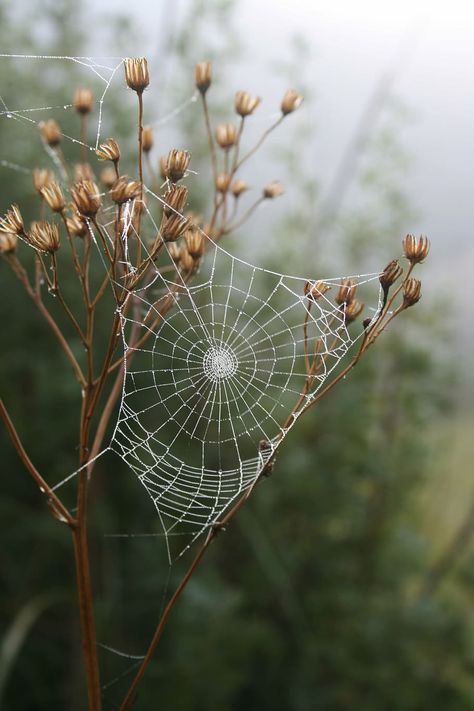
(346, 582)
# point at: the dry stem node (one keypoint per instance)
(136, 74)
(51, 132)
(291, 101)
(43, 236)
(83, 101)
(246, 104)
(203, 76)
(416, 250)
(86, 197)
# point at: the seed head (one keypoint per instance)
(194, 242)
(390, 275)
(352, 309)
(8, 242)
(43, 236)
(110, 150)
(12, 222)
(136, 74)
(86, 197)
(346, 292)
(411, 292)
(175, 252)
(83, 171)
(124, 190)
(203, 76)
(177, 164)
(226, 135)
(83, 101)
(223, 183)
(175, 200)
(273, 190)
(315, 289)
(416, 250)
(172, 227)
(41, 178)
(53, 195)
(147, 139)
(238, 187)
(291, 101)
(51, 133)
(108, 176)
(188, 263)
(76, 226)
(246, 104)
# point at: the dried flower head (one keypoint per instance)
(8, 242)
(172, 227)
(203, 76)
(51, 132)
(416, 250)
(291, 101)
(83, 171)
(315, 289)
(163, 163)
(352, 309)
(187, 262)
(411, 292)
(246, 104)
(108, 176)
(53, 195)
(12, 222)
(223, 183)
(147, 139)
(273, 190)
(390, 275)
(83, 101)
(175, 252)
(136, 74)
(177, 164)
(226, 135)
(175, 199)
(346, 292)
(124, 190)
(238, 187)
(86, 197)
(194, 242)
(43, 236)
(76, 226)
(41, 178)
(109, 150)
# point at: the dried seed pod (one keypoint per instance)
(346, 292)
(83, 101)
(223, 183)
(238, 187)
(194, 242)
(108, 176)
(203, 76)
(226, 135)
(109, 150)
(246, 104)
(273, 190)
(352, 309)
(41, 178)
(291, 101)
(187, 262)
(411, 292)
(8, 242)
(51, 132)
(173, 227)
(54, 197)
(315, 289)
(86, 197)
(416, 250)
(175, 199)
(390, 275)
(136, 74)
(147, 139)
(43, 236)
(163, 167)
(124, 190)
(12, 222)
(83, 171)
(76, 226)
(175, 252)
(177, 164)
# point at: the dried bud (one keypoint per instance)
(416, 250)
(109, 150)
(315, 289)
(238, 187)
(12, 223)
(51, 132)
(86, 197)
(246, 104)
(41, 178)
(8, 242)
(43, 236)
(108, 177)
(175, 252)
(226, 135)
(124, 190)
(53, 195)
(76, 226)
(177, 164)
(273, 190)
(290, 102)
(203, 76)
(172, 227)
(175, 199)
(136, 74)
(163, 163)
(147, 139)
(83, 100)
(411, 292)
(223, 183)
(352, 309)
(83, 171)
(390, 275)
(346, 292)
(188, 263)
(194, 242)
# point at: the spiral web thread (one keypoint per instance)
(206, 400)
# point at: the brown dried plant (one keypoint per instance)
(80, 209)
